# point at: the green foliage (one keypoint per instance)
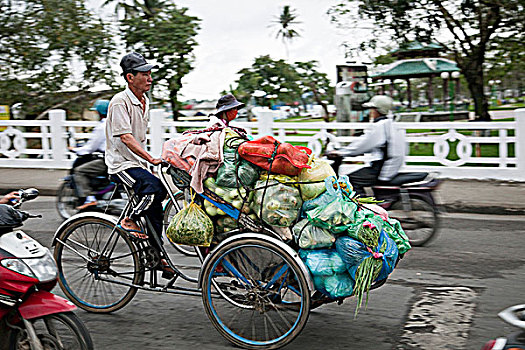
(287, 82)
(164, 33)
(470, 30)
(48, 46)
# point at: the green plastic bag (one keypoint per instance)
(394, 230)
(338, 214)
(191, 226)
(235, 171)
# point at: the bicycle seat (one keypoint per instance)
(403, 178)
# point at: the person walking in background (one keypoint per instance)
(89, 165)
(126, 157)
(386, 144)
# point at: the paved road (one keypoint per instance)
(446, 293)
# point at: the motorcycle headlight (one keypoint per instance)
(19, 266)
(44, 268)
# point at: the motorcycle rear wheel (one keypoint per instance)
(67, 201)
(420, 224)
(57, 331)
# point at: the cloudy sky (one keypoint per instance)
(234, 32)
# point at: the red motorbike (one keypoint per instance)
(31, 317)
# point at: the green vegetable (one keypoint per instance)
(191, 226)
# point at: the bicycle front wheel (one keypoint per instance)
(98, 265)
(255, 294)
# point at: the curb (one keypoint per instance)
(459, 207)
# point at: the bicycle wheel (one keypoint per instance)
(421, 223)
(169, 211)
(67, 200)
(255, 294)
(56, 331)
(96, 280)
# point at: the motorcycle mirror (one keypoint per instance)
(29, 194)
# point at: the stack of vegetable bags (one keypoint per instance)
(345, 244)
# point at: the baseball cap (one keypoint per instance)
(135, 62)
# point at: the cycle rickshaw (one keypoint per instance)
(255, 288)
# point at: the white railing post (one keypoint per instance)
(156, 128)
(57, 117)
(264, 121)
(519, 116)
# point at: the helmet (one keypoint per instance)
(101, 106)
(382, 103)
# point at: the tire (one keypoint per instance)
(169, 211)
(67, 200)
(420, 224)
(249, 309)
(57, 331)
(77, 275)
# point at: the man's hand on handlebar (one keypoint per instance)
(333, 155)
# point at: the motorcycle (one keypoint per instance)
(408, 198)
(109, 197)
(514, 315)
(31, 317)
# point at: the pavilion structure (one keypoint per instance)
(417, 60)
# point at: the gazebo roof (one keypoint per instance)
(417, 68)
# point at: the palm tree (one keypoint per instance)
(286, 20)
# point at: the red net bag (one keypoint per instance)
(284, 158)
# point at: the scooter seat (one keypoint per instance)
(403, 178)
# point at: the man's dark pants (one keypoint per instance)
(150, 192)
(365, 177)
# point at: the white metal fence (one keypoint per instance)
(473, 150)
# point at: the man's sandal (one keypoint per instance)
(134, 234)
(167, 271)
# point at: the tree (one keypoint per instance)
(277, 79)
(286, 19)
(310, 80)
(49, 46)
(471, 30)
(283, 82)
(166, 34)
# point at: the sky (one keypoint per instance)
(234, 32)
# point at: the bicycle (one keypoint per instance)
(252, 273)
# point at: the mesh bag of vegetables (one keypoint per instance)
(338, 214)
(318, 172)
(366, 265)
(276, 201)
(235, 171)
(311, 237)
(191, 226)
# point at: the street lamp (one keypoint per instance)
(445, 76)
(455, 75)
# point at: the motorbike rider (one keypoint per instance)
(10, 198)
(383, 140)
(91, 166)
